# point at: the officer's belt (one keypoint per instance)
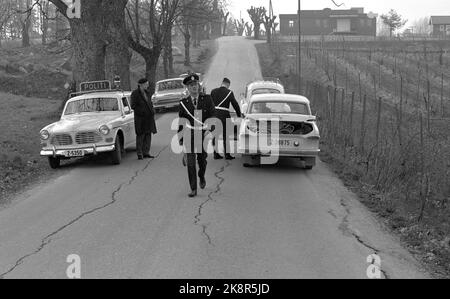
(190, 114)
(204, 128)
(223, 108)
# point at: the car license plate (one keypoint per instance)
(284, 143)
(74, 153)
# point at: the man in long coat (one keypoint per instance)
(144, 119)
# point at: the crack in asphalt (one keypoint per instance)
(345, 228)
(48, 239)
(210, 199)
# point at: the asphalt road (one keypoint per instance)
(136, 221)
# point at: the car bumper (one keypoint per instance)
(167, 104)
(93, 150)
(250, 146)
(281, 153)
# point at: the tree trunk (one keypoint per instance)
(187, 46)
(118, 54)
(166, 60)
(44, 31)
(89, 53)
(256, 30)
(170, 56)
(26, 33)
(99, 42)
(151, 64)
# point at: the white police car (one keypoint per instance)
(94, 121)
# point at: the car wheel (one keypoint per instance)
(54, 162)
(116, 155)
(309, 167)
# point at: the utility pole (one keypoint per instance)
(299, 49)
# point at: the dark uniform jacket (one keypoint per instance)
(218, 95)
(144, 114)
(204, 103)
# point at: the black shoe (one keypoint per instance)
(217, 156)
(202, 183)
(193, 194)
(149, 157)
(140, 158)
(229, 157)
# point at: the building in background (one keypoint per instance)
(440, 25)
(330, 22)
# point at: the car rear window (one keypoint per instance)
(265, 91)
(92, 105)
(170, 85)
(277, 107)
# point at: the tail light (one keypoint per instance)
(252, 125)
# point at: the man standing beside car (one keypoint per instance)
(222, 98)
(144, 119)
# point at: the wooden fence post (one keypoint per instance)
(378, 121)
(363, 124)
(352, 107)
(442, 96)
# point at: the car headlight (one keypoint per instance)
(45, 135)
(104, 130)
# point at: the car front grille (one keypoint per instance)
(61, 140)
(87, 138)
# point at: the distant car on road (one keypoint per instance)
(297, 135)
(265, 86)
(168, 93)
(92, 123)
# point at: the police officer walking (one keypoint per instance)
(222, 98)
(195, 110)
(144, 119)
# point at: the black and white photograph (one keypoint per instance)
(224, 147)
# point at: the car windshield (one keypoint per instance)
(277, 107)
(92, 105)
(170, 85)
(265, 91)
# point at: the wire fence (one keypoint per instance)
(388, 122)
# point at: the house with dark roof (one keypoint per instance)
(440, 25)
(330, 22)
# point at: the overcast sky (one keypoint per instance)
(409, 9)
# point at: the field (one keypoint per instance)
(384, 110)
(32, 98)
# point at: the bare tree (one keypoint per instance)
(421, 26)
(6, 12)
(224, 20)
(240, 26)
(195, 15)
(269, 24)
(149, 34)
(257, 16)
(248, 29)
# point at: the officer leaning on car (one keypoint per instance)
(144, 119)
(194, 111)
(222, 98)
